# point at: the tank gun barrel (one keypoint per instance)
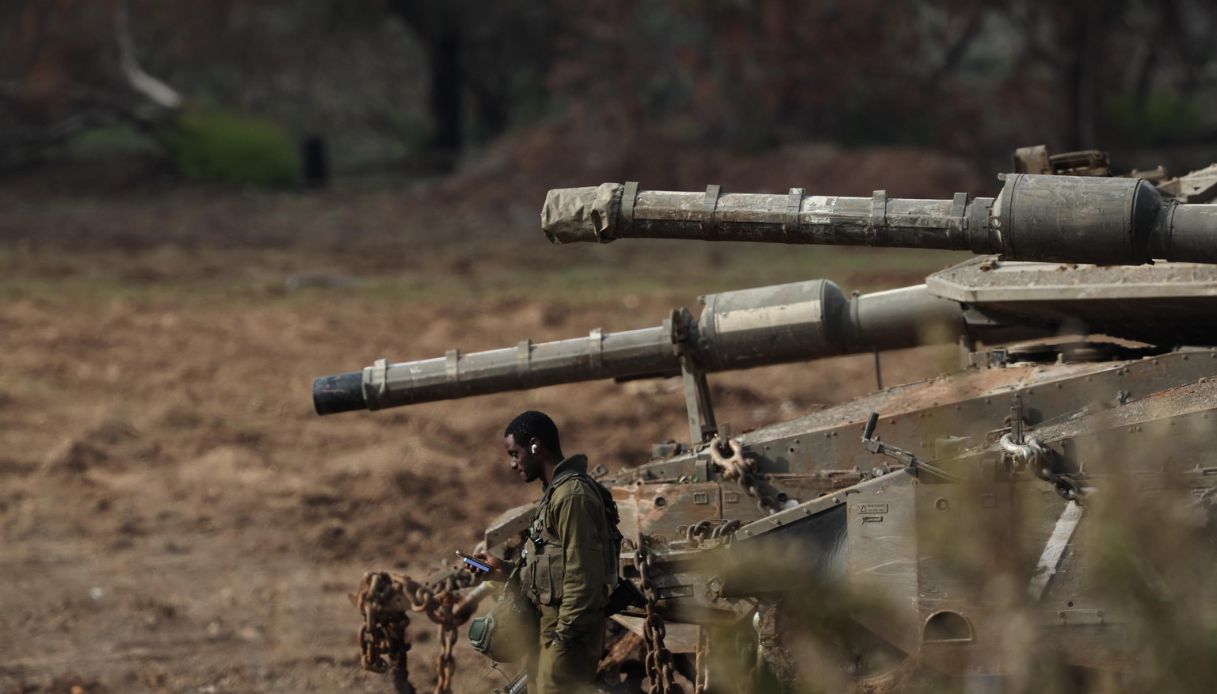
(736, 330)
(1078, 219)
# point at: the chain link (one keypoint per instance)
(385, 600)
(658, 659)
(382, 636)
(698, 533)
(445, 663)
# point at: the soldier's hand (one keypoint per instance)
(498, 570)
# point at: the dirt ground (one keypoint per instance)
(174, 516)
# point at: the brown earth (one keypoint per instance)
(174, 517)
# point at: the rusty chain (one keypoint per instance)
(697, 534)
(382, 636)
(658, 659)
(385, 600)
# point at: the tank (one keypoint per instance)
(924, 532)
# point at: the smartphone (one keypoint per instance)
(475, 563)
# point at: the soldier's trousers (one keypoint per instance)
(564, 666)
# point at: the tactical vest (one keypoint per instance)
(544, 568)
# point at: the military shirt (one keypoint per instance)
(566, 560)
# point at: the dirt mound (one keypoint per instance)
(113, 443)
(398, 519)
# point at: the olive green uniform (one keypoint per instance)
(568, 571)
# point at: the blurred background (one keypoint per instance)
(203, 205)
(393, 88)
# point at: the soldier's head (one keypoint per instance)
(532, 443)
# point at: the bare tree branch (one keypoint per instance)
(958, 47)
(1028, 27)
(150, 87)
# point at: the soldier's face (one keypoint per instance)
(525, 463)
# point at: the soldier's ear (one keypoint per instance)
(533, 446)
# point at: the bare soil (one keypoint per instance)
(174, 516)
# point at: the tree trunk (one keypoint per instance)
(445, 96)
(1080, 76)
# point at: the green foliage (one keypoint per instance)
(211, 145)
(1161, 119)
(110, 140)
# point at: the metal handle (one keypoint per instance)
(868, 431)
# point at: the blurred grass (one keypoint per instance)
(1144, 559)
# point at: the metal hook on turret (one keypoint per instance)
(734, 467)
(1035, 456)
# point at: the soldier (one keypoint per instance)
(567, 567)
